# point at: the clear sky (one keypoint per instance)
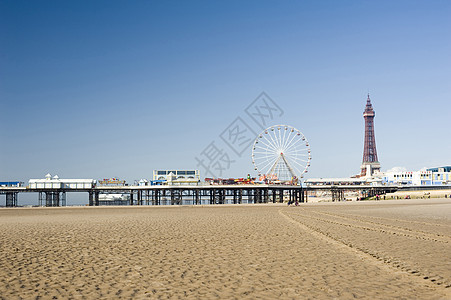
(99, 89)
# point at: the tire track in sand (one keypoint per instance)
(396, 260)
(371, 257)
(405, 221)
(421, 234)
(383, 228)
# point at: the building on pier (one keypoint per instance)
(176, 177)
(55, 182)
(11, 183)
(111, 182)
(335, 181)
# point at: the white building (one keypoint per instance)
(335, 181)
(176, 174)
(433, 176)
(176, 177)
(55, 182)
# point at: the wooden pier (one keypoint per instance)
(166, 195)
(191, 195)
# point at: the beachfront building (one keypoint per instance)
(432, 176)
(55, 182)
(441, 169)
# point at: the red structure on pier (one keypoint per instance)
(370, 164)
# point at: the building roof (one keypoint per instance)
(62, 180)
(446, 168)
(311, 180)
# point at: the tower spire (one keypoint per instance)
(369, 106)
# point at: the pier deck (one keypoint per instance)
(165, 194)
(188, 194)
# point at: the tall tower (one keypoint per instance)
(370, 164)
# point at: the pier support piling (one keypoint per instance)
(11, 199)
(52, 199)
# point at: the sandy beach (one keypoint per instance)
(367, 250)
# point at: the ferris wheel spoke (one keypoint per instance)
(295, 152)
(265, 154)
(297, 155)
(265, 157)
(299, 149)
(297, 166)
(300, 164)
(269, 144)
(280, 138)
(287, 146)
(261, 157)
(264, 164)
(292, 145)
(298, 159)
(301, 157)
(269, 165)
(263, 151)
(277, 137)
(299, 172)
(262, 160)
(273, 142)
(286, 138)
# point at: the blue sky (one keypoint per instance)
(96, 89)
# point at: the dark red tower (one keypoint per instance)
(370, 164)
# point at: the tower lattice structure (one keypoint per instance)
(370, 163)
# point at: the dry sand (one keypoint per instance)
(383, 250)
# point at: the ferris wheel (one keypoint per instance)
(281, 153)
